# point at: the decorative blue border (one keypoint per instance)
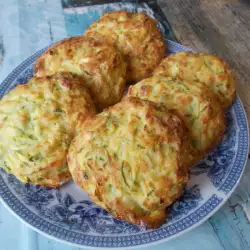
(212, 204)
(242, 152)
(98, 241)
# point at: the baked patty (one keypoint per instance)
(37, 122)
(136, 35)
(127, 159)
(202, 67)
(101, 67)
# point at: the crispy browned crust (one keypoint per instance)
(100, 66)
(194, 103)
(206, 68)
(51, 176)
(139, 181)
(136, 35)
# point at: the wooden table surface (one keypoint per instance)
(219, 26)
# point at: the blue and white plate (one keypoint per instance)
(68, 215)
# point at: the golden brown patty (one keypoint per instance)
(37, 122)
(101, 66)
(193, 102)
(137, 37)
(202, 67)
(128, 160)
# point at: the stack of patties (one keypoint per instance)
(198, 88)
(133, 158)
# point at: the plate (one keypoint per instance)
(68, 215)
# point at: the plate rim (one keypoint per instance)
(14, 74)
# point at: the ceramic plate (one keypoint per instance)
(68, 215)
